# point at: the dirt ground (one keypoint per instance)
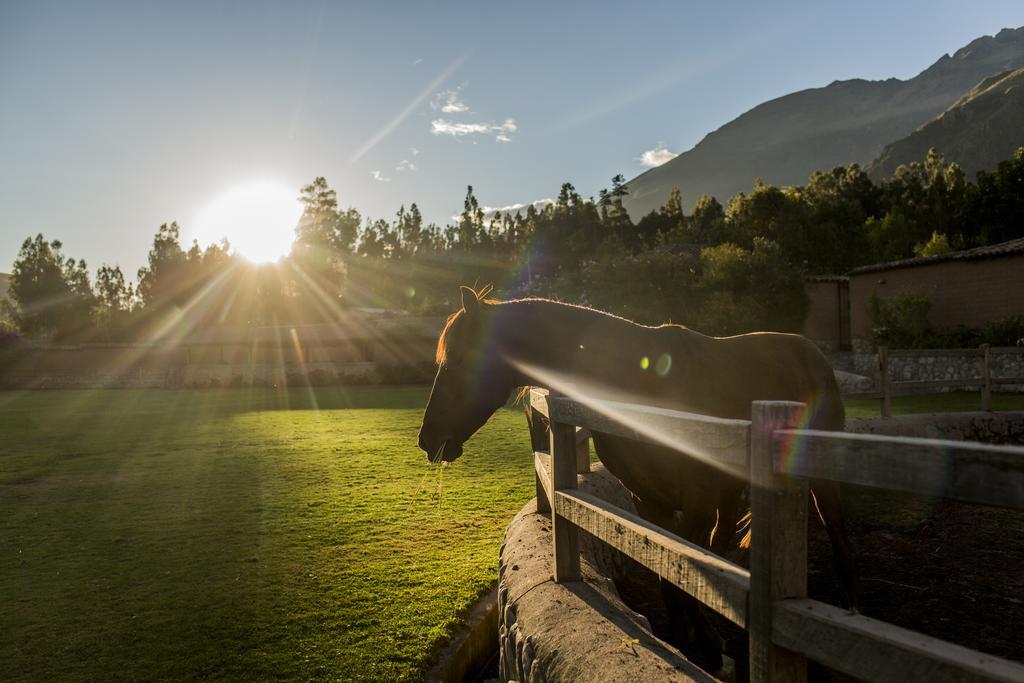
(949, 570)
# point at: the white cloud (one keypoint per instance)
(448, 101)
(657, 156)
(377, 175)
(415, 152)
(457, 129)
(417, 61)
(412, 106)
(490, 211)
(405, 165)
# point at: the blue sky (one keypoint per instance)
(116, 117)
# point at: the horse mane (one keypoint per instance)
(441, 355)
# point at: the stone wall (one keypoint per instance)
(936, 365)
(143, 377)
(1002, 428)
(579, 631)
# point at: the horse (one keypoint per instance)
(489, 348)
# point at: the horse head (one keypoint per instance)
(473, 378)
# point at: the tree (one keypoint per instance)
(322, 224)
(471, 222)
(937, 245)
(324, 241)
(162, 281)
(113, 300)
(51, 293)
(707, 221)
(746, 290)
(996, 204)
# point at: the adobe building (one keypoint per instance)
(970, 287)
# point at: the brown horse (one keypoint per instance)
(489, 349)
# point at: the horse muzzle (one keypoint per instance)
(444, 451)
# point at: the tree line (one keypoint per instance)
(719, 268)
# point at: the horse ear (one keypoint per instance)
(470, 302)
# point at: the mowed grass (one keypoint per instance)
(252, 534)
(951, 402)
(241, 534)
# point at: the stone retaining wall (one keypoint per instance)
(1003, 428)
(933, 365)
(583, 631)
(265, 374)
(579, 631)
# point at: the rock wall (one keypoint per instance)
(228, 374)
(932, 365)
(579, 631)
(1004, 428)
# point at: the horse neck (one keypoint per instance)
(552, 344)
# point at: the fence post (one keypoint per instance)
(778, 551)
(565, 544)
(883, 369)
(582, 451)
(543, 504)
(986, 374)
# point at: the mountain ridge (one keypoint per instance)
(983, 127)
(785, 139)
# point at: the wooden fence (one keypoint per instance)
(770, 601)
(885, 388)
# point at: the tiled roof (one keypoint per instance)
(826, 278)
(1009, 248)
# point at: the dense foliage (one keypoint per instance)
(901, 322)
(722, 269)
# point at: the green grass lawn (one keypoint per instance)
(958, 401)
(252, 534)
(241, 534)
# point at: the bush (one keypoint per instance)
(1008, 332)
(749, 290)
(901, 322)
(726, 289)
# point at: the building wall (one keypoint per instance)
(822, 323)
(964, 292)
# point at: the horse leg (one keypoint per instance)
(829, 503)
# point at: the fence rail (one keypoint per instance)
(886, 388)
(770, 601)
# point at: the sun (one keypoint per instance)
(258, 218)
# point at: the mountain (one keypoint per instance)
(978, 131)
(784, 140)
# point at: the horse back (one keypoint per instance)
(726, 374)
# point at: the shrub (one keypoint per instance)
(900, 321)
